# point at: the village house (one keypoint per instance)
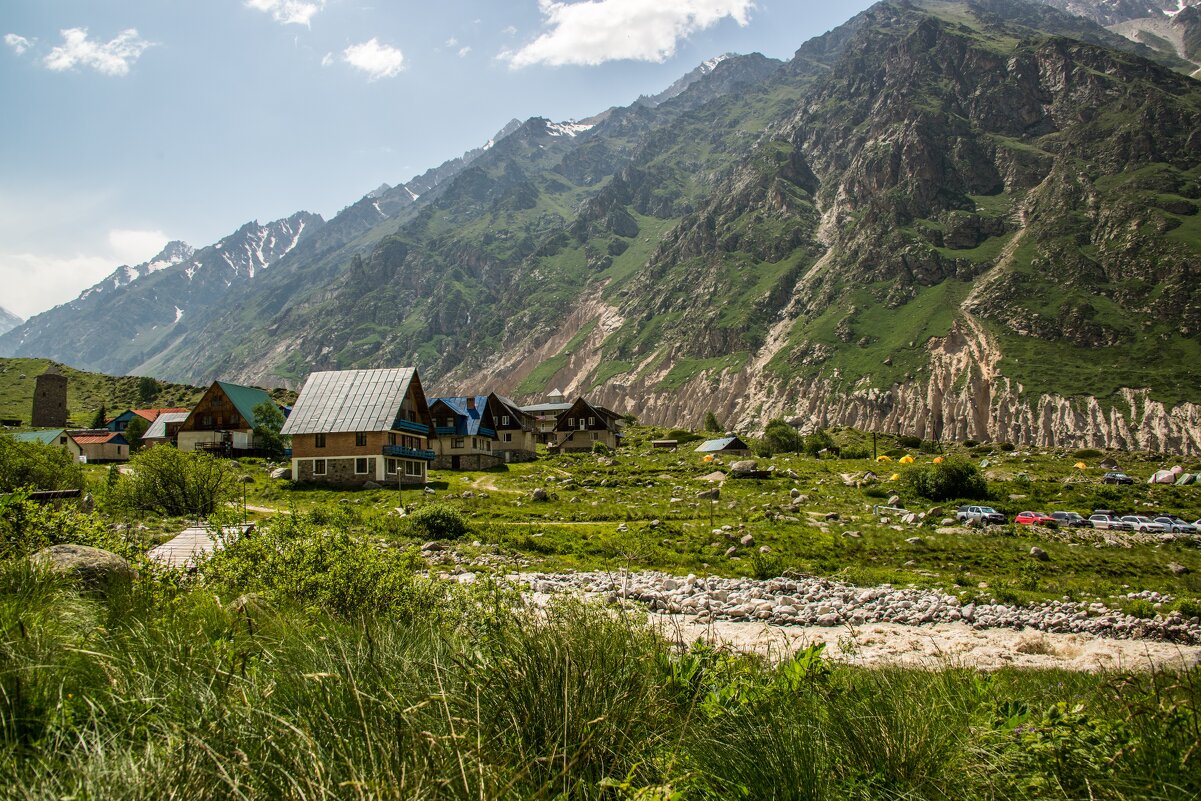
(516, 430)
(54, 436)
(466, 433)
(223, 420)
(350, 427)
(101, 445)
(583, 425)
(546, 415)
(121, 421)
(164, 429)
(725, 446)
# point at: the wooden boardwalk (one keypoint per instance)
(181, 551)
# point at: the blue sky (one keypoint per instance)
(132, 122)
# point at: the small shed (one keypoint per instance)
(726, 446)
(665, 444)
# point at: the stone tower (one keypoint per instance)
(50, 399)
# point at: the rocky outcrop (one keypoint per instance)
(94, 568)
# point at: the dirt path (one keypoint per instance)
(937, 646)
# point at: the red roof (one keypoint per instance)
(152, 414)
(94, 439)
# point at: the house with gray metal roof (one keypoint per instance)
(350, 427)
(164, 429)
(466, 433)
(725, 446)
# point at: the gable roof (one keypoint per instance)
(158, 429)
(150, 415)
(583, 407)
(467, 420)
(49, 437)
(244, 399)
(334, 401)
(509, 406)
(724, 443)
(97, 438)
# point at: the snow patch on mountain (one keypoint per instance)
(569, 128)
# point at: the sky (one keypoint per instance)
(129, 123)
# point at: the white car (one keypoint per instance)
(1143, 523)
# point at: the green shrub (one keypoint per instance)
(970, 443)
(819, 441)
(1088, 453)
(779, 437)
(856, 452)
(437, 521)
(1008, 447)
(600, 448)
(1189, 607)
(176, 484)
(954, 478)
(41, 467)
(911, 443)
(1140, 608)
(27, 527)
(683, 435)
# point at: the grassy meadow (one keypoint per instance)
(324, 657)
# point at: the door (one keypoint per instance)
(456, 462)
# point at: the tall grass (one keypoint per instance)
(161, 692)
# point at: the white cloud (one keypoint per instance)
(451, 42)
(33, 282)
(18, 43)
(131, 246)
(595, 31)
(463, 51)
(108, 58)
(327, 60)
(375, 59)
(288, 12)
(509, 31)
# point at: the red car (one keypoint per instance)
(1035, 519)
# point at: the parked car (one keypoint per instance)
(1116, 477)
(1144, 523)
(983, 514)
(1071, 519)
(1177, 525)
(1110, 521)
(1035, 519)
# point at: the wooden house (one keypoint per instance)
(349, 427)
(516, 430)
(725, 446)
(101, 445)
(546, 415)
(466, 433)
(585, 424)
(223, 420)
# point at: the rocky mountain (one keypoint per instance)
(1111, 12)
(1170, 27)
(8, 320)
(130, 316)
(974, 219)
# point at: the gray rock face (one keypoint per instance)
(744, 466)
(95, 568)
(282, 472)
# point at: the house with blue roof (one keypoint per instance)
(466, 433)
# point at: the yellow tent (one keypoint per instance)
(1081, 466)
(895, 477)
(938, 460)
(906, 460)
(708, 458)
(883, 458)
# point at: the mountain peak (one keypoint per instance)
(8, 320)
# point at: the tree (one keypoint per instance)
(711, 422)
(779, 437)
(101, 417)
(134, 431)
(268, 420)
(32, 464)
(177, 484)
(147, 389)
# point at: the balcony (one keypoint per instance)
(411, 427)
(488, 432)
(409, 453)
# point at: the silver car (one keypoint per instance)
(1111, 522)
(1143, 523)
(1177, 525)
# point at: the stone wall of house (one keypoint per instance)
(50, 400)
(467, 461)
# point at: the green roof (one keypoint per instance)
(49, 437)
(244, 399)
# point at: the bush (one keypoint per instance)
(1189, 607)
(601, 448)
(856, 452)
(27, 527)
(819, 441)
(437, 521)
(779, 437)
(1008, 447)
(955, 478)
(176, 484)
(1088, 453)
(682, 435)
(910, 443)
(32, 464)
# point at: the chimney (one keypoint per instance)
(471, 402)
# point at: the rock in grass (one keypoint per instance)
(1039, 554)
(745, 466)
(1177, 568)
(916, 541)
(95, 568)
(282, 472)
(540, 495)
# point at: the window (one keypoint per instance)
(318, 440)
(449, 422)
(583, 424)
(457, 443)
(318, 467)
(218, 400)
(508, 436)
(390, 466)
(595, 436)
(504, 419)
(414, 469)
(391, 438)
(208, 419)
(360, 465)
(591, 421)
(360, 439)
(488, 445)
(475, 444)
